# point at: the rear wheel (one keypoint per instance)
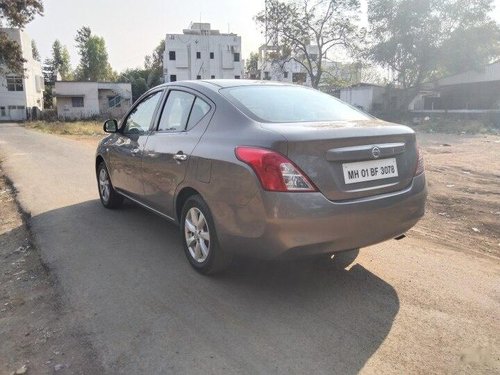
(109, 197)
(200, 239)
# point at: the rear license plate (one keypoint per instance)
(370, 170)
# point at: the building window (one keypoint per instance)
(198, 77)
(236, 57)
(173, 78)
(3, 113)
(198, 55)
(285, 74)
(15, 83)
(236, 77)
(213, 77)
(114, 101)
(77, 102)
(212, 55)
(171, 55)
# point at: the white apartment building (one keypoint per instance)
(202, 53)
(21, 95)
(85, 99)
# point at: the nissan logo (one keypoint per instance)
(376, 152)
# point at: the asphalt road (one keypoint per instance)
(404, 307)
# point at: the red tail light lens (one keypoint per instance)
(420, 162)
(275, 171)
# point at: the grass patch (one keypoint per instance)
(88, 128)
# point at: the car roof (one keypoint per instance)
(216, 84)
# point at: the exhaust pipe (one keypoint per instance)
(400, 237)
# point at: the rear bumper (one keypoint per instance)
(292, 224)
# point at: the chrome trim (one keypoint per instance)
(146, 206)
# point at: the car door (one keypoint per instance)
(128, 146)
(184, 117)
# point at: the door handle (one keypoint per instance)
(180, 156)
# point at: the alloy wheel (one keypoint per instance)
(197, 234)
(104, 185)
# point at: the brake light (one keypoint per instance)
(420, 162)
(275, 171)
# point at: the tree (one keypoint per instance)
(144, 79)
(94, 65)
(15, 13)
(58, 63)
(310, 30)
(421, 40)
(153, 64)
(252, 65)
(34, 51)
(138, 78)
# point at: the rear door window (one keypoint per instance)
(200, 109)
(176, 111)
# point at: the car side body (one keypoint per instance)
(160, 170)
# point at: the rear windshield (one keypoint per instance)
(290, 104)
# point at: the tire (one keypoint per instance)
(109, 197)
(200, 238)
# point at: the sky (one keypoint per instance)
(132, 28)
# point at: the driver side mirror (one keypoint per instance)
(110, 126)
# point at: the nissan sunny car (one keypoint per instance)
(262, 169)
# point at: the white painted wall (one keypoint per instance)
(363, 96)
(200, 38)
(94, 98)
(32, 94)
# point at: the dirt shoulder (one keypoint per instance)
(37, 332)
(463, 208)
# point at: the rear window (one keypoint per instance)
(290, 104)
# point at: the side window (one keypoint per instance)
(139, 120)
(176, 111)
(200, 109)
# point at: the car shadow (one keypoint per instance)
(124, 274)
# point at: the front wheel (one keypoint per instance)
(109, 197)
(200, 239)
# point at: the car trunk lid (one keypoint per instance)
(351, 159)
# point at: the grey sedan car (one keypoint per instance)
(262, 169)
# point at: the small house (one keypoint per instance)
(84, 99)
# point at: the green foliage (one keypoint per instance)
(59, 62)
(140, 79)
(420, 40)
(94, 65)
(11, 55)
(15, 13)
(34, 51)
(295, 26)
(252, 65)
(18, 13)
(144, 79)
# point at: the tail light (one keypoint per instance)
(420, 162)
(275, 171)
